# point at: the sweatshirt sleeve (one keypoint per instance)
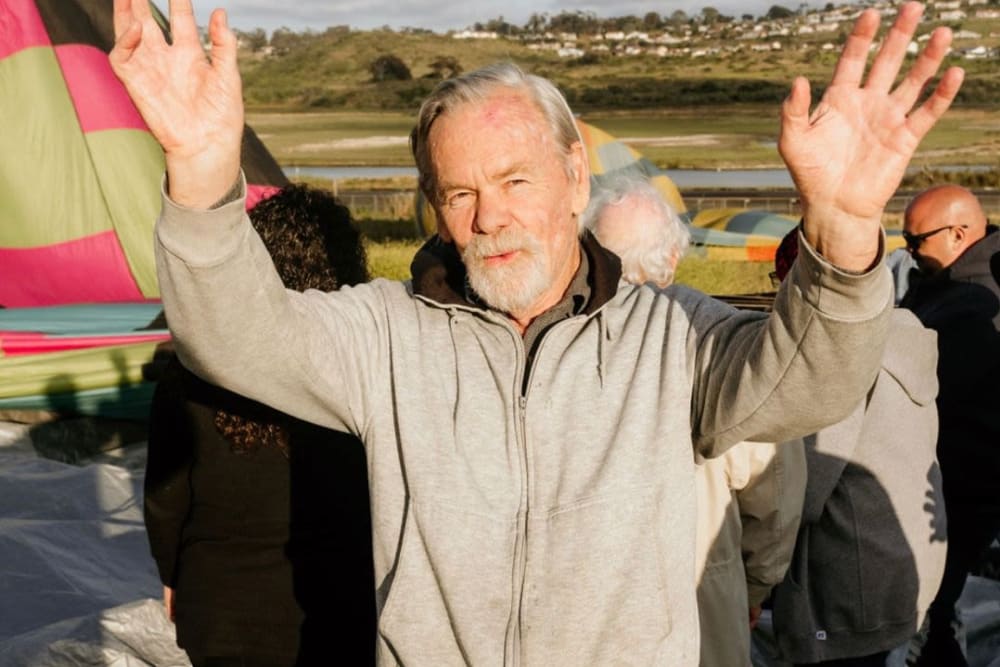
(234, 322)
(803, 367)
(770, 509)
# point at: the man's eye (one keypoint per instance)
(459, 199)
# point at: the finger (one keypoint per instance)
(223, 52)
(151, 32)
(126, 44)
(141, 9)
(890, 56)
(122, 17)
(924, 68)
(183, 28)
(851, 65)
(923, 119)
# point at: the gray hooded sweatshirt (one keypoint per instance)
(524, 516)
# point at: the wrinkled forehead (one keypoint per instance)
(492, 137)
(503, 115)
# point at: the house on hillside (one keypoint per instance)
(474, 34)
(952, 15)
(979, 53)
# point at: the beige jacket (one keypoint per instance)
(749, 507)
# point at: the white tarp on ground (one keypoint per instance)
(78, 587)
(77, 584)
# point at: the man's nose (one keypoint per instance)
(492, 213)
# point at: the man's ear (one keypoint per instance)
(960, 232)
(580, 175)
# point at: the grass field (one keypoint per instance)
(391, 259)
(703, 138)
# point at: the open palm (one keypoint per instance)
(192, 104)
(849, 155)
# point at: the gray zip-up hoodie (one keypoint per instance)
(553, 526)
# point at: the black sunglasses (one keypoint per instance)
(914, 241)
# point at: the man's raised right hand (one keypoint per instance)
(192, 103)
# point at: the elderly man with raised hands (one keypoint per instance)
(528, 419)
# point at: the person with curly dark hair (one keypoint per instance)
(259, 523)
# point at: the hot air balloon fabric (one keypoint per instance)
(80, 173)
(80, 180)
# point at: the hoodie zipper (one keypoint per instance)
(520, 544)
(512, 640)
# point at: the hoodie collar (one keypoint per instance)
(975, 261)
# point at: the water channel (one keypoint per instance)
(684, 178)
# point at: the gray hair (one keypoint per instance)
(476, 86)
(651, 239)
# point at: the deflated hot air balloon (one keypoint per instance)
(80, 179)
(79, 171)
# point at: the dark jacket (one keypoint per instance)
(962, 304)
(269, 552)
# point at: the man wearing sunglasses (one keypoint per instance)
(958, 254)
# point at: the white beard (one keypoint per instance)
(514, 287)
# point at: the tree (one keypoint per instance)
(678, 18)
(255, 40)
(501, 27)
(536, 23)
(709, 15)
(285, 39)
(389, 68)
(652, 21)
(446, 67)
(777, 12)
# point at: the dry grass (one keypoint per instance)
(391, 259)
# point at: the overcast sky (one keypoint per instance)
(440, 16)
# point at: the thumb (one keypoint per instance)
(126, 44)
(795, 109)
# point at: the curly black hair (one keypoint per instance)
(314, 245)
(311, 238)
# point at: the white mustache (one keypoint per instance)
(481, 247)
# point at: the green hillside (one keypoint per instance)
(331, 70)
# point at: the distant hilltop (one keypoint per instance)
(705, 58)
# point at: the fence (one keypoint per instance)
(388, 205)
(788, 203)
(398, 204)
